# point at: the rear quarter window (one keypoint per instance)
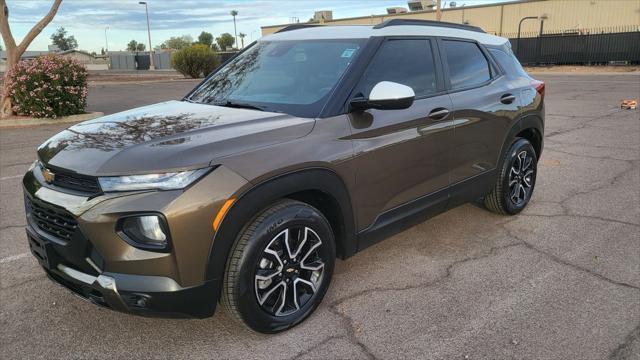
(509, 63)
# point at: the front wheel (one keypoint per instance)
(516, 180)
(280, 267)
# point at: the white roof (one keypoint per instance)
(366, 31)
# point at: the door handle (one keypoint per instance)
(438, 114)
(507, 99)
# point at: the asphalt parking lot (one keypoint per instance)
(559, 281)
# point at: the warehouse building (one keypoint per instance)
(560, 16)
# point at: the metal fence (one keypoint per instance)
(139, 61)
(591, 47)
(129, 61)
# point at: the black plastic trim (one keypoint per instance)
(404, 216)
(529, 121)
(252, 201)
(416, 211)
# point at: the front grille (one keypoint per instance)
(76, 182)
(51, 219)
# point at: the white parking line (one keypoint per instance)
(10, 177)
(13, 258)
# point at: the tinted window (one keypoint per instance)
(407, 62)
(293, 77)
(509, 63)
(467, 64)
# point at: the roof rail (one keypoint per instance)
(296, 27)
(396, 22)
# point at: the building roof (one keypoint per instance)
(26, 55)
(73, 51)
(366, 31)
(411, 13)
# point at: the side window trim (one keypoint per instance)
(494, 75)
(435, 53)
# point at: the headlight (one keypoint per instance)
(166, 181)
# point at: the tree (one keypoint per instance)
(15, 51)
(178, 42)
(234, 13)
(242, 36)
(205, 38)
(140, 47)
(225, 40)
(102, 52)
(132, 46)
(62, 41)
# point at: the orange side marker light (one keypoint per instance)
(223, 211)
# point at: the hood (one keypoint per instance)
(173, 135)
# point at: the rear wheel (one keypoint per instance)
(517, 179)
(280, 267)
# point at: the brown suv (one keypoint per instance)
(312, 143)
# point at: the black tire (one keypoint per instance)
(502, 199)
(260, 250)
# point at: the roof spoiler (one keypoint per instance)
(415, 22)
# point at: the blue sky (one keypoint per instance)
(87, 19)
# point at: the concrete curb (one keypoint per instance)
(135, 82)
(27, 121)
(583, 73)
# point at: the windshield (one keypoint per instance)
(292, 77)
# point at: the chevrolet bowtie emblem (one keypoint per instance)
(48, 176)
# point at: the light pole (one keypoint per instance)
(519, 27)
(106, 41)
(235, 34)
(146, 8)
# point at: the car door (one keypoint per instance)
(402, 155)
(485, 104)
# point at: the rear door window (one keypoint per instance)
(468, 66)
(407, 62)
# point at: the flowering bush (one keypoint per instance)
(47, 86)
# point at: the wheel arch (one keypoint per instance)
(530, 127)
(319, 187)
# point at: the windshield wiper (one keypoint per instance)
(233, 104)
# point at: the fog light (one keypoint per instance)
(147, 231)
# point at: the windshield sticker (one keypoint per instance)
(347, 53)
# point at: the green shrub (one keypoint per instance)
(47, 86)
(195, 61)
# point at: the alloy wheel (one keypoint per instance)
(521, 178)
(289, 271)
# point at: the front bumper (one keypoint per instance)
(78, 246)
(137, 294)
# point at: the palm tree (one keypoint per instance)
(242, 36)
(234, 13)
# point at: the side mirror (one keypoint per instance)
(386, 95)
